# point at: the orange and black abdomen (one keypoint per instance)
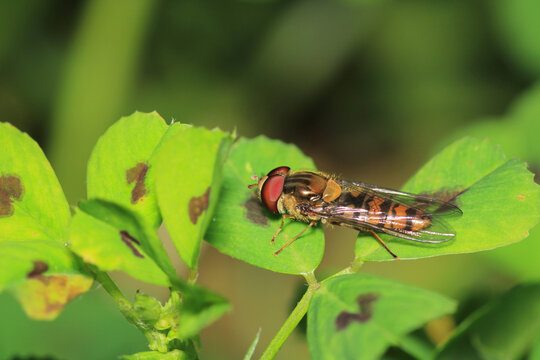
(381, 212)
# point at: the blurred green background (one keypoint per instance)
(369, 88)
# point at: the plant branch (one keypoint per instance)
(356, 264)
(311, 279)
(123, 303)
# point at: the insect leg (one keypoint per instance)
(296, 237)
(374, 234)
(280, 227)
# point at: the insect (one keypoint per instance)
(315, 196)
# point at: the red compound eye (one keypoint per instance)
(271, 191)
(282, 170)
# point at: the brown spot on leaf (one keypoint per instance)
(197, 205)
(365, 302)
(254, 212)
(129, 241)
(39, 268)
(137, 175)
(43, 297)
(11, 189)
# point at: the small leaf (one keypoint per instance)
(253, 345)
(358, 316)
(44, 297)
(156, 355)
(148, 308)
(32, 204)
(119, 168)
(196, 313)
(182, 317)
(112, 248)
(498, 197)
(505, 328)
(188, 170)
(243, 229)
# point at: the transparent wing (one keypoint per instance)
(347, 210)
(427, 203)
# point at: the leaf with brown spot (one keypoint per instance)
(32, 204)
(493, 214)
(34, 216)
(112, 243)
(39, 268)
(129, 241)
(44, 297)
(197, 205)
(11, 189)
(254, 211)
(365, 303)
(359, 316)
(137, 174)
(21, 260)
(188, 168)
(232, 230)
(120, 168)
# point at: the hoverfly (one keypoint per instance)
(315, 196)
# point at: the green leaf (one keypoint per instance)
(34, 217)
(156, 355)
(251, 350)
(119, 168)
(44, 297)
(498, 197)
(26, 259)
(505, 328)
(243, 229)
(148, 308)
(196, 313)
(121, 171)
(32, 204)
(182, 317)
(516, 132)
(358, 316)
(111, 247)
(188, 177)
(123, 219)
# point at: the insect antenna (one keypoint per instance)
(255, 178)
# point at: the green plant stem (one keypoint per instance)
(289, 325)
(301, 309)
(351, 269)
(311, 279)
(193, 275)
(123, 303)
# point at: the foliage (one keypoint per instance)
(198, 180)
